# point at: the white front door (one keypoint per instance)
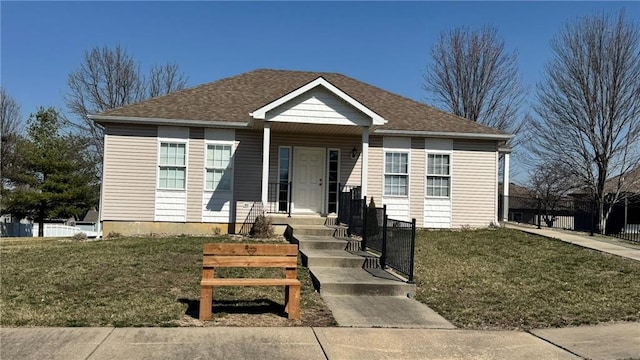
(308, 179)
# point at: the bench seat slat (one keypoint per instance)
(248, 282)
(249, 261)
(251, 249)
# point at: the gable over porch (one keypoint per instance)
(315, 141)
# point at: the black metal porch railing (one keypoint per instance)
(393, 239)
(350, 207)
(279, 198)
(399, 245)
(255, 211)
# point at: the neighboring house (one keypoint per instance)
(202, 158)
(523, 206)
(625, 215)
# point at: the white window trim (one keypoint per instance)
(162, 140)
(426, 174)
(326, 176)
(231, 162)
(384, 159)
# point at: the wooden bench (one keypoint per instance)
(249, 255)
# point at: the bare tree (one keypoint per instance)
(10, 128)
(552, 183)
(473, 75)
(109, 78)
(164, 79)
(589, 104)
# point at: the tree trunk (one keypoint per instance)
(41, 221)
(602, 219)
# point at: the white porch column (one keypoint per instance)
(505, 187)
(266, 143)
(364, 164)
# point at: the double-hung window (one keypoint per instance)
(219, 170)
(172, 163)
(438, 175)
(396, 173)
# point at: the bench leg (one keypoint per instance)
(286, 299)
(206, 302)
(293, 302)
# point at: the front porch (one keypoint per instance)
(304, 173)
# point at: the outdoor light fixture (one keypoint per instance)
(354, 153)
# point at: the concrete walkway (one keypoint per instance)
(384, 311)
(580, 240)
(618, 341)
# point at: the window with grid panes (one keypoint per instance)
(219, 167)
(438, 175)
(172, 163)
(396, 173)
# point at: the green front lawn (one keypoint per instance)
(506, 279)
(134, 282)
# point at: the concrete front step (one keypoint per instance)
(306, 242)
(298, 220)
(317, 230)
(330, 258)
(353, 281)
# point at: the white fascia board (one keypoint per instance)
(442, 134)
(159, 121)
(261, 113)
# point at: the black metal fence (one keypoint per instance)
(575, 214)
(280, 197)
(624, 220)
(394, 239)
(560, 213)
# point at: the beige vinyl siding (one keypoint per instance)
(349, 168)
(130, 170)
(195, 169)
(416, 181)
(375, 176)
(318, 106)
(247, 176)
(474, 183)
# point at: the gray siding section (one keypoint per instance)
(349, 168)
(474, 179)
(375, 169)
(247, 177)
(195, 175)
(129, 172)
(416, 181)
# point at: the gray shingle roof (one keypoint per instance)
(232, 99)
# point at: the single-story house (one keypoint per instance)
(198, 160)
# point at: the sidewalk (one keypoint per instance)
(616, 341)
(581, 240)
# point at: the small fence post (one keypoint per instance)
(383, 256)
(364, 224)
(539, 215)
(413, 249)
